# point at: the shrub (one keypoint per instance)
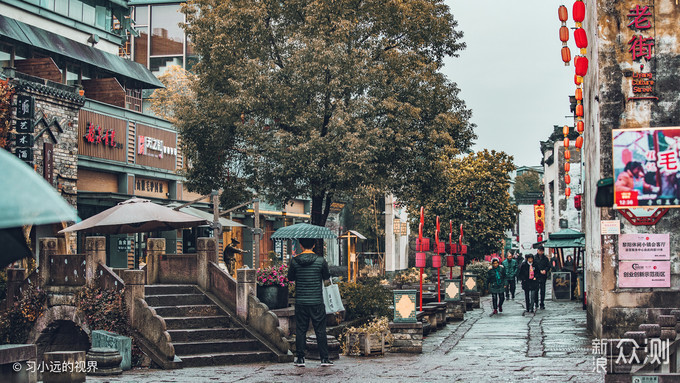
(409, 276)
(16, 324)
(480, 268)
(367, 299)
(105, 310)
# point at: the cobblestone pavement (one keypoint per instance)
(550, 346)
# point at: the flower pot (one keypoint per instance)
(275, 297)
(363, 343)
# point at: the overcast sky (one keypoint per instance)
(511, 74)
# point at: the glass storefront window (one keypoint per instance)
(141, 45)
(142, 15)
(75, 10)
(61, 7)
(167, 38)
(88, 14)
(160, 65)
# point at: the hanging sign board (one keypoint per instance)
(561, 286)
(646, 166)
(644, 274)
(610, 227)
(651, 247)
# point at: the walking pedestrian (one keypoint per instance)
(527, 274)
(543, 267)
(309, 270)
(495, 282)
(510, 266)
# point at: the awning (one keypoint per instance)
(136, 73)
(205, 215)
(354, 233)
(566, 238)
(303, 230)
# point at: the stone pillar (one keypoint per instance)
(207, 252)
(48, 247)
(155, 247)
(15, 277)
(95, 252)
(134, 288)
(246, 280)
(408, 337)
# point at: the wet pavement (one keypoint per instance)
(549, 346)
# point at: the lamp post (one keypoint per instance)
(420, 253)
(437, 260)
(461, 259)
(449, 257)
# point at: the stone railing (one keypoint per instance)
(66, 270)
(177, 268)
(222, 285)
(108, 279)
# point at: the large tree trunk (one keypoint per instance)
(321, 205)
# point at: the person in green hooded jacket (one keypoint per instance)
(510, 265)
(496, 283)
(308, 270)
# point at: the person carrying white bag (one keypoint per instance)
(308, 270)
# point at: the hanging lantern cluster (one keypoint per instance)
(562, 13)
(581, 69)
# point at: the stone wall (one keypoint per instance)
(612, 311)
(56, 108)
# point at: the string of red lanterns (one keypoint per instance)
(581, 69)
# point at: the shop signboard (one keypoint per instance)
(641, 274)
(561, 286)
(650, 247)
(646, 167)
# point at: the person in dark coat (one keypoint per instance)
(543, 267)
(510, 265)
(496, 283)
(308, 271)
(527, 274)
(229, 254)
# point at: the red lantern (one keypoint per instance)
(580, 38)
(563, 13)
(450, 261)
(567, 179)
(578, 94)
(579, 142)
(567, 167)
(422, 245)
(463, 249)
(441, 248)
(564, 34)
(577, 201)
(566, 142)
(460, 260)
(578, 80)
(567, 192)
(565, 130)
(581, 65)
(579, 110)
(567, 155)
(580, 126)
(578, 12)
(566, 55)
(436, 261)
(420, 260)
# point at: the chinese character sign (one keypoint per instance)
(640, 46)
(646, 167)
(644, 247)
(644, 274)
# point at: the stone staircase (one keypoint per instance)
(202, 333)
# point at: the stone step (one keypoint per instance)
(176, 299)
(216, 346)
(170, 289)
(179, 323)
(226, 358)
(189, 311)
(187, 335)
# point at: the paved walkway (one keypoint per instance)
(550, 346)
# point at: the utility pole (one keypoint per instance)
(257, 232)
(217, 228)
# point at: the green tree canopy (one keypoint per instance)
(321, 98)
(526, 183)
(474, 193)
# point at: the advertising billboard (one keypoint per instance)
(646, 167)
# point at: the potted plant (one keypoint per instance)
(272, 286)
(370, 339)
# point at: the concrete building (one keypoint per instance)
(560, 212)
(631, 43)
(396, 236)
(523, 234)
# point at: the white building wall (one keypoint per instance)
(527, 228)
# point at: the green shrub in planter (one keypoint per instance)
(366, 299)
(480, 268)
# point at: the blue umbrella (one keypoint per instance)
(303, 230)
(27, 199)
